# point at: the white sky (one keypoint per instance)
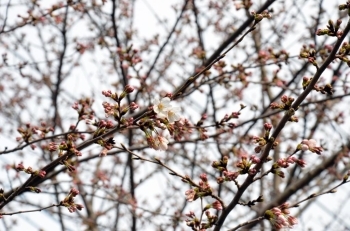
(147, 24)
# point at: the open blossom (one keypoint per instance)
(173, 114)
(161, 107)
(190, 195)
(164, 109)
(161, 143)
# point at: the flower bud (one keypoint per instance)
(129, 89)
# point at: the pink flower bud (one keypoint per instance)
(42, 174)
(133, 106)
(217, 205)
(74, 192)
(267, 126)
(129, 89)
(203, 177)
(284, 99)
(20, 167)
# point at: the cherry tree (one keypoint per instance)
(174, 115)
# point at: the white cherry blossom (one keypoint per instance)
(173, 114)
(161, 143)
(161, 107)
(164, 109)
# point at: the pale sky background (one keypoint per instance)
(147, 25)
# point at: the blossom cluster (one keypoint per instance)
(280, 217)
(167, 117)
(164, 109)
(310, 145)
(158, 142)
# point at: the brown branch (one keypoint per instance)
(292, 188)
(279, 128)
(30, 211)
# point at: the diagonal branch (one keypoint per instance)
(279, 128)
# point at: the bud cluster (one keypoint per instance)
(116, 109)
(285, 105)
(331, 30)
(280, 217)
(325, 51)
(180, 129)
(345, 6)
(102, 127)
(245, 165)
(29, 131)
(201, 190)
(346, 177)
(196, 224)
(69, 165)
(270, 54)
(343, 53)
(219, 66)
(82, 47)
(84, 109)
(107, 145)
(34, 189)
(262, 141)
(201, 130)
(20, 167)
(129, 56)
(285, 163)
(68, 146)
(243, 4)
(309, 53)
(227, 118)
(69, 201)
(242, 74)
(326, 89)
(244, 168)
(198, 52)
(259, 17)
(310, 145)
